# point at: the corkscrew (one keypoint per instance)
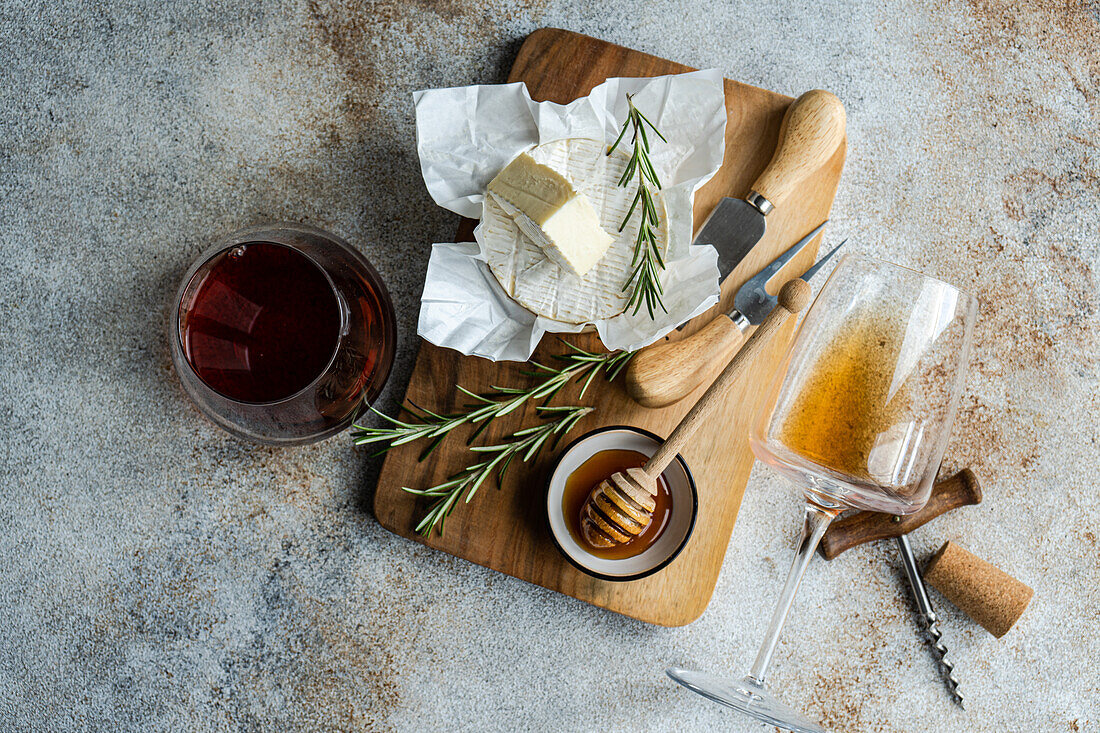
(961, 489)
(928, 618)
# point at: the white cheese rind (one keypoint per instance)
(552, 213)
(540, 284)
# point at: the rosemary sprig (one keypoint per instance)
(434, 426)
(647, 261)
(525, 443)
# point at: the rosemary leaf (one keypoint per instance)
(525, 443)
(647, 263)
(577, 364)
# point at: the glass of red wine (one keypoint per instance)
(282, 334)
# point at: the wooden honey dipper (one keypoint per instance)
(621, 507)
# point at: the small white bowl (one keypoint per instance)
(685, 505)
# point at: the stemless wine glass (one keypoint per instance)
(861, 419)
(282, 334)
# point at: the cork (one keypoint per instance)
(985, 593)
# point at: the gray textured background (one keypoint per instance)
(158, 575)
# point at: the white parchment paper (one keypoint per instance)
(466, 135)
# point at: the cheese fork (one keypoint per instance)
(667, 372)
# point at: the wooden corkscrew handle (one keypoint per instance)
(794, 296)
(962, 489)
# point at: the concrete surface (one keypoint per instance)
(159, 575)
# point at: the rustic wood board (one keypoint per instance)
(505, 529)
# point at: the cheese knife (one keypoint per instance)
(812, 128)
(664, 373)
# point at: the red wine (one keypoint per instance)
(282, 334)
(262, 324)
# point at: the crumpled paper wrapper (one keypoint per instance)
(466, 135)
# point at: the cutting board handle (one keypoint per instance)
(812, 129)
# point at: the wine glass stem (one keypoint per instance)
(813, 527)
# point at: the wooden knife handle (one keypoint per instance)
(962, 489)
(812, 129)
(664, 373)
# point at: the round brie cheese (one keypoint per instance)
(537, 282)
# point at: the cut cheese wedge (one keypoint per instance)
(538, 283)
(553, 214)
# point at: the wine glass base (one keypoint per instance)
(746, 695)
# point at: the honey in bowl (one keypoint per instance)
(587, 477)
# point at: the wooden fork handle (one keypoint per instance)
(661, 374)
(962, 489)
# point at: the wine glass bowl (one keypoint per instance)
(864, 407)
(860, 417)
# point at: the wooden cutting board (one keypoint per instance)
(505, 529)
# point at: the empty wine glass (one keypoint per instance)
(861, 419)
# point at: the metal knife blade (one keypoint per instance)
(812, 129)
(733, 228)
